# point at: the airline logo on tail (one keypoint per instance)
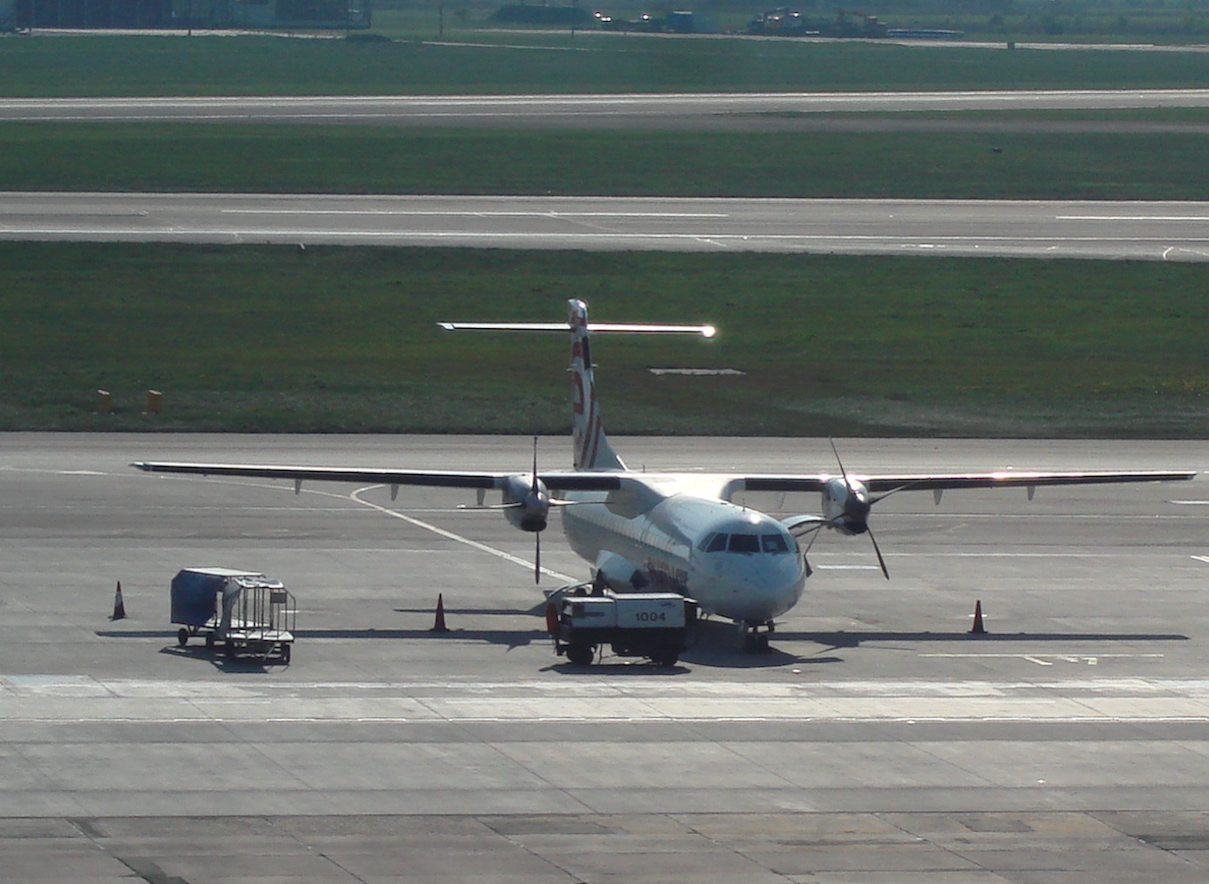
(591, 448)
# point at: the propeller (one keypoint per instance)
(536, 494)
(526, 505)
(854, 518)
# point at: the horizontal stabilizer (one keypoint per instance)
(706, 331)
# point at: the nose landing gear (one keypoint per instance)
(753, 635)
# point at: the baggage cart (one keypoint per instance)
(247, 612)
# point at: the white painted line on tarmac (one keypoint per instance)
(1030, 656)
(1051, 659)
(449, 535)
(328, 235)
(1131, 217)
(472, 213)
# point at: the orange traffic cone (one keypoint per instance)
(439, 624)
(978, 628)
(119, 607)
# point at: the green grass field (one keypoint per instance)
(385, 159)
(263, 338)
(260, 338)
(145, 65)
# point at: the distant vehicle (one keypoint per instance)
(779, 22)
(644, 530)
(786, 22)
(644, 23)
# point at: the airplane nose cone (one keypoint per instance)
(772, 590)
(784, 594)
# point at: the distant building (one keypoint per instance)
(299, 14)
(267, 14)
(92, 13)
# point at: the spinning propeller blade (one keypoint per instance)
(865, 508)
(877, 549)
(537, 535)
(537, 557)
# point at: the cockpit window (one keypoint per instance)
(774, 543)
(744, 543)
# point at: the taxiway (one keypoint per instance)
(1165, 231)
(878, 742)
(737, 110)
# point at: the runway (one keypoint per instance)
(628, 111)
(878, 742)
(1165, 231)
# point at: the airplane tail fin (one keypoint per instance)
(592, 450)
(590, 445)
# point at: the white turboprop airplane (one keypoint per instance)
(671, 531)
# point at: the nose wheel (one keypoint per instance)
(753, 635)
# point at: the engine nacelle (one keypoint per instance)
(620, 574)
(846, 506)
(527, 503)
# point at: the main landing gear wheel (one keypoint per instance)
(182, 636)
(753, 640)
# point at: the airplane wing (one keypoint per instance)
(849, 499)
(609, 481)
(950, 481)
(555, 481)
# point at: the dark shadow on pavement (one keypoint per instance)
(218, 658)
(514, 638)
(613, 667)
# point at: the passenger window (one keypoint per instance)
(744, 543)
(717, 543)
(775, 543)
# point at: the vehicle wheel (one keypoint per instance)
(285, 653)
(665, 658)
(182, 636)
(210, 640)
(232, 651)
(581, 655)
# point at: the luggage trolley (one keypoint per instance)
(246, 611)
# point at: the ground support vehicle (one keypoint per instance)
(646, 624)
(247, 612)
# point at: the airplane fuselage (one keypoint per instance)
(654, 535)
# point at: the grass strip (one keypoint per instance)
(259, 338)
(354, 159)
(595, 63)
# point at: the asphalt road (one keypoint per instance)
(624, 111)
(878, 742)
(1152, 230)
